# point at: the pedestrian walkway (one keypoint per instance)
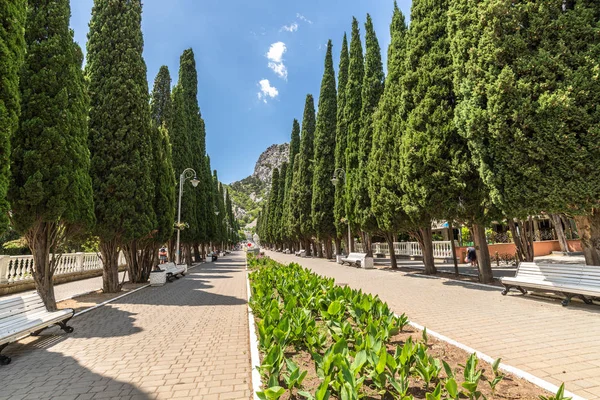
(187, 339)
(537, 335)
(69, 290)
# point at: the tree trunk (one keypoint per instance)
(351, 247)
(110, 266)
(307, 248)
(41, 239)
(188, 254)
(197, 256)
(451, 237)
(523, 239)
(424, 238)
(560, 232)
(389, 238)
(338, 246)
(483, 254)
(203, 252)
(319, 247)
(171, 249)
(367, 244)
(141, 258)
(588, 227)
(328, 249)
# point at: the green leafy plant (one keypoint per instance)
(472, 377)
(498, 376)
(560, 395)
(272, 393)
(294, 377)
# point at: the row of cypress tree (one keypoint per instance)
(489, 111)
(91, 149)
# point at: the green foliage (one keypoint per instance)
(287, 222)
(279, 229)
(352, 115)
(560, 394)
(384, 180)
(271, 228)
(323, 191)
(528, 101)
(12, 50)
(339, 210)
(162, 170)
(119, 122)
(301, 193)
(372, 89)
(50, 159)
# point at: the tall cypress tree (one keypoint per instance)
(271, 231)
(51, 189)
(372, 89)
(429, 142)
(302, 185)
(323, 191)
(530, 110)
(164, 176)
(219, 202)
(352, 114)
(185, 123)
(279, 231)
(119, 130)
(384, 181)
(294, 150)
(212, 229)
(341, 141)
(12, 49)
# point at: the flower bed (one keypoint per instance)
(319, 340)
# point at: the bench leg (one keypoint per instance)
(63, 325)
(585, 299)
(523, 291)
(506, 289)
(4, 360)
(567, 299)
(37, 333)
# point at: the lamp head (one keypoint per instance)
(195, 181)
(216, 213)
(335, 180)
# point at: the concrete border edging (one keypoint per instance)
(519, 373)
(254, 355)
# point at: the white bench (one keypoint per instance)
(173, 270)
(570, 280)
(354, 259)
(24, 315)
(300, 253)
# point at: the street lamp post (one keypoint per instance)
(337, 175)
(188, 173)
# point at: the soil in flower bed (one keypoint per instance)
(85, 301)
(510, 387)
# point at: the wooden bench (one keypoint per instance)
(354, 259)
(24, 315)
(173, 270)
(570, 280)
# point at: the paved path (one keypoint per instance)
(69, 290)
(539, 336)
(187, 339)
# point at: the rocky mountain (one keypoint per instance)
(248, 194)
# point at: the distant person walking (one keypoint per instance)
(471, 256)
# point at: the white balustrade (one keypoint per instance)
(19, 268)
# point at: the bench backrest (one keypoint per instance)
(356, 256)
(19, 308)
(569, 274)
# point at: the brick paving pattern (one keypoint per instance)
(537, 335)
(187, 339)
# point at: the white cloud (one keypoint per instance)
(303, 18)
(275, 56)
(293, 27)
(266, 90)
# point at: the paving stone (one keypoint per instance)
(155, 343)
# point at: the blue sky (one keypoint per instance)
(239, 46)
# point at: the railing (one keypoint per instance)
(441, 249)
(19, 268)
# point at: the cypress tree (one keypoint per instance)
(352, 114)
(339, 209)
(530, 111)
(428, 147)
(294, 150)
(185, 123)
(323, 191)
(164, 176)
(231, 219)
(213, 231)
(51, 189)
(302, 185)
(384, 181)
(161, 103)
(119, 131)
(219, 202)
(372, 89)
(293, 217)
(271, 230)
(12, 48)
(279, 233)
